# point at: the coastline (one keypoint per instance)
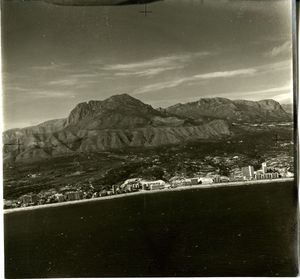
(146, 192)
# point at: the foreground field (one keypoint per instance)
(230, 231)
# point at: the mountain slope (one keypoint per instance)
(117, 122)
(119, 111)
(122, 121)
(288, 108)
(231, 110)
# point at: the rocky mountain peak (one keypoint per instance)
(233, 110)
(123, 98)
(117, 104)
(216, 100)
(270, 104)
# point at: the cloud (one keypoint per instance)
(176, 82)
(84, 75)
(225, 74)
(278, 93)
(75, 80)
(268, 90)
(50, 67)
(281, 65)
(160, 85)
(148, 72)
(284, 98)
(284, 48)
(64, 82)
(49, 94)
(15, 88)
(265, 92)
(154, 66)
(162, 61)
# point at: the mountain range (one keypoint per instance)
(122, 121)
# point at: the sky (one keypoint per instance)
(55, 57)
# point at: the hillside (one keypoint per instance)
(288, 108)
(231, 110)
(122, 121)
(117, 122)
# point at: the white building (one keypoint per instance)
(289, 174)
(131, 184)
(224, 178)
(177, 182)
(153, 185)
(206, 180)
(59, 197)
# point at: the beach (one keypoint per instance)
(146, 192)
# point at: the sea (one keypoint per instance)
(248, 230)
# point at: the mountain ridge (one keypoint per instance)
(123, 121)
(232, 110)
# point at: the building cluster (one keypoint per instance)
(248, 173)
(68, 193)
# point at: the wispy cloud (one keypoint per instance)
(75, 80)
(49, 94)
(15, 88)
(148, 72)
(151, 67)
(278, 93)
(176, 82)
(85, 75)
(225, 74)
(284, 98)
(267, 90)
(157, 62)
(284, 48)
(281, 94)
(190, 80)
(50, 67)
(64, 82)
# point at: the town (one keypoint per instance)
(69, 193)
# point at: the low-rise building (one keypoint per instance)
(206, 180)
(284, 173)
(153, 185)
(289, 174)
(59, 197)
(268, 175)
(103, 193)
(131, 184)
(224, 179)
(9, 204)
(73, 195)
(29, 199)
(94, 195)
(178, 182)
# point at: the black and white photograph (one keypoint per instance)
(149, 138)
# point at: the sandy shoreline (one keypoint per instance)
(184, 188)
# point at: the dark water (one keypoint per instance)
(234, 231)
